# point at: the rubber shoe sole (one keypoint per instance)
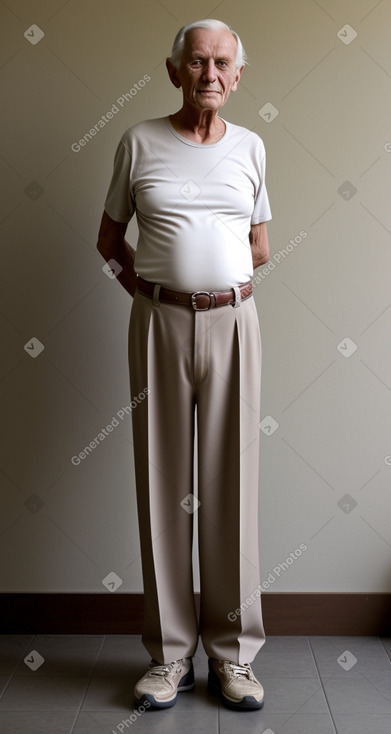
(247, 703)
(149, 701)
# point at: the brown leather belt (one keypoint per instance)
(199, 300)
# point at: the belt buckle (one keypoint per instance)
(194, 300)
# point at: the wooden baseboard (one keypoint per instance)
(283, 613)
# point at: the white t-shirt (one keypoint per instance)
(194, 203)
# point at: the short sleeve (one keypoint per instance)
(262, 211)
(119, 204)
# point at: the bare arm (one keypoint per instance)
(259, 243)
(112, 244)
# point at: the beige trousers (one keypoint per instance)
(203, 372)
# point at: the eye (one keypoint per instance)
(222, 63)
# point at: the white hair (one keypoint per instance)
(210, 24)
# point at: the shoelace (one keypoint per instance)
(238, 670)
(162, 669)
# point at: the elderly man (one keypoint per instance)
(197, 186)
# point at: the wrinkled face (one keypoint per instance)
(207, 72)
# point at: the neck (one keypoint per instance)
(202, 126)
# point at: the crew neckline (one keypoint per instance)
(192, 142)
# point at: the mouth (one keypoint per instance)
(208, 91)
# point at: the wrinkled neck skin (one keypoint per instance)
(200, 126)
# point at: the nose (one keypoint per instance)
(209, 71)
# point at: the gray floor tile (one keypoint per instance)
(294, 695)
(3, 683)
(12, 649)
(36, 722)
(247, 722)
(349, 657)
(354, 695)
(64, 654)
(368, 647)
(355, 643)
(308, 724)
(381, 681)
(285, 644)
(367, 668)
(121, 655)
(114, 693)
(48, 699)
(200, 659)
(363, 723)
(199, 699)
(201, 669)
(260, 722)
(102, 722)
(42, 693)
(285, 664)
(169, 721)
(386, 642)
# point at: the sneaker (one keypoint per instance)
(160, 684)
(236, 684)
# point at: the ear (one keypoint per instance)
(238, 74)
(172, 73)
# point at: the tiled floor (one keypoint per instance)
(84, 685)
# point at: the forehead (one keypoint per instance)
(210, 42)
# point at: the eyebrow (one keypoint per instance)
(196, 55)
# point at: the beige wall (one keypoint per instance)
(326, 470)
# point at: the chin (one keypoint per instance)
(208, 104)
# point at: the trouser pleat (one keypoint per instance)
(211, 360)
